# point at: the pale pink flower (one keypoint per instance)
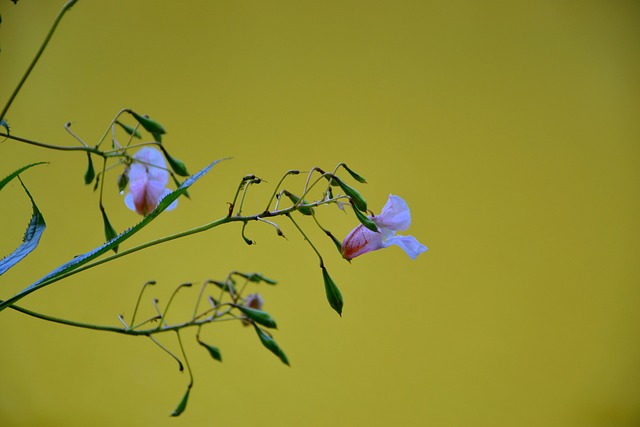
(395, 216)
(254, 301)
(148, 177)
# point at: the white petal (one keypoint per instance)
(409, 244)
(172, 205)
(155, 166)
(360, 241)
(128, 200)
(395, 215)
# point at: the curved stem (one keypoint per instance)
(64, 10)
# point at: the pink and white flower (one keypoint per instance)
(395, 216)
(148, 177)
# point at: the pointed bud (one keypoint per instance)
(150, 125)
(271, 345)
(130, 130)
(333, 293)
(90, 173)
(304, 210)
(213, 351)
(182, 405)
(357, 199)
(176, 165)
(355, 176)
(258, 316)
(109, 232)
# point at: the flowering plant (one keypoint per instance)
(147, 169)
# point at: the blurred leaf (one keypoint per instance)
(229, 287)
(109, 231)
(176, 165)
(357, 199)
(270, 344)
(81, 260)
(335, 241)
(130, 130)
(157, 137)
(30, 240)
(365, 220)
(183, 404)
(90, 173)
(257, 278)
(214, 351)
(355, 176)
(261, 317)
(333, 293)
(149, 124)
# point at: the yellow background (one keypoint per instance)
(510, 128)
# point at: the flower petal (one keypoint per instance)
(360, 241)
(154, 164)
(409, 244)
(395, 215)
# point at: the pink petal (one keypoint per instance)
(360, 241)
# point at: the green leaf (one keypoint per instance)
(183, 404)
(356, 198)
(257, 278)
(177, 183)
(148, 124)
(213, 351)
(157, 137)
(123, 180)
(81, 260)
(365, 220)
(176, 165)
(335, 241)
(229, 287)
(333, 293)
(109, 231)
(130, 130)
(304, 210)
(355, 176)
(31, 237)
(258, 316)
(90, 173)
(271, 345)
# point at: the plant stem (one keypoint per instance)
(64, 10)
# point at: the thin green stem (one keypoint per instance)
(275, 190)
(52, 147)
(64, 10)
(135, 310)
(307, 239)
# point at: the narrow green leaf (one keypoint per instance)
(90, 173)
(30, 240)
(148, 124)
(157, 137)
(261, 317)
(271, 345)
(335, 241)
(130, 130)
(81, 260)
(183, 404)
(355, 176)
(304, 210)
(213, 351)
(333, 293)
(177, 183)
(357, 199)
(123, 180)
(176, 165)
(365, 220)
(109, 231)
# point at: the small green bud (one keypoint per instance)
(355, 176)
(123, 180)
(271, 345)
(365, 220)
(90, 173)
(356, 198)
(130, 130)
(333, 293)
(182, 405)
(258, 316)
(176, 165)
(213, 351)
(150, 125)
